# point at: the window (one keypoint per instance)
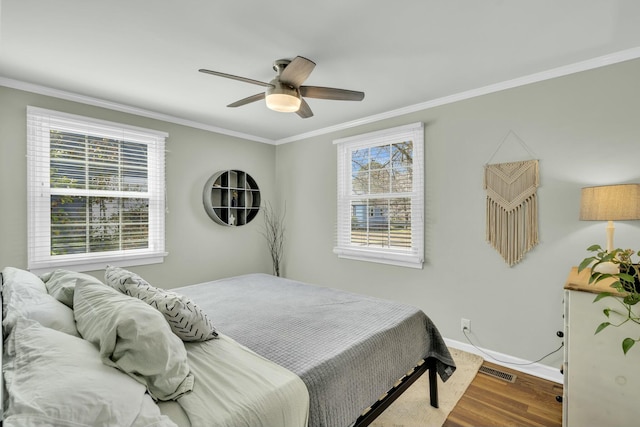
(95, 192)
(380, 196)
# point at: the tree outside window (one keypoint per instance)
(380, 196)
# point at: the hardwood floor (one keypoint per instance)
(489, 401)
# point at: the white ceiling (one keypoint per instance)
(144, 55)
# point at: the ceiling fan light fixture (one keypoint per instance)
(285, 93)
(283, 98)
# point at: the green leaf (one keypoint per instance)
(631, 299)
(585, 263)
(601, 327)
(617, 286)
(606, 311)
(627, 344)
(626, 277)
(602, 295)
(596, 277)
(593, 248)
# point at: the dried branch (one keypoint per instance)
(273, 232)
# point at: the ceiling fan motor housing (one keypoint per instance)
(280, 64)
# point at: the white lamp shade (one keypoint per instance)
(282, 98)
(283, 103)
(610, 203)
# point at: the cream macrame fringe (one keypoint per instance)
(512, 208)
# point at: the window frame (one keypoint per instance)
(39, 191)
(412, 257)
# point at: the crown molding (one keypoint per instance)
(96, 102)
(601, 61)
(590, 64)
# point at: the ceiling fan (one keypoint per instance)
(285, 94)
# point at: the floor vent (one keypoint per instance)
(498, 374)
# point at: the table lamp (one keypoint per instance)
(610, 203)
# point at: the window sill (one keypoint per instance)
(380, 257)
(96, 264)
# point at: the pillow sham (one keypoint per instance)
(55, 379)
(134, 338)
(185, 318)
(25, 295)
(61, 284)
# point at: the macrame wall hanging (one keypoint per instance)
(512, 205)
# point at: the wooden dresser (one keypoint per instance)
(601, 384)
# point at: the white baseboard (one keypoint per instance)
(511, 362)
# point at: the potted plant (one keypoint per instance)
(626, 287)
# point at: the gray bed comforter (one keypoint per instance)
(347, 348)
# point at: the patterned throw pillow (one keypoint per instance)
(185, 318)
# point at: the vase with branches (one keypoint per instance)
(273, 232)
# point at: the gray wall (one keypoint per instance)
(584, 129)
(198, 248)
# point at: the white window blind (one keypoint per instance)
(381, 196)
(96, 192)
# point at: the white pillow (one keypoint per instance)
(134, 338)
(55, 379)
(25, 295)
(13, 278)
(61, 284)
(185, 318)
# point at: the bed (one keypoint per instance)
(262, 351)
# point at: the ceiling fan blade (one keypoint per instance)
(297, 71)
(331, 93)
(231, 76)
(247, 100)
(304, 111)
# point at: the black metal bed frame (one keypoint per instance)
(400, 387)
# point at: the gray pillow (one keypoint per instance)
(134, 338)
(185, 318)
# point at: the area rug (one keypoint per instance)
(412, 409)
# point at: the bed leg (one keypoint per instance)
(433, 382)
(377, 408)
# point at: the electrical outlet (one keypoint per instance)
(465, 324)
